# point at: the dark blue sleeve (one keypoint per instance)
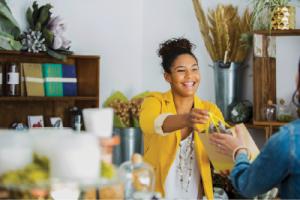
(268, 169)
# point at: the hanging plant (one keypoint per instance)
(40, 20)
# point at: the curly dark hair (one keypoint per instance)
(171, 49)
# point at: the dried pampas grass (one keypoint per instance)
(222, 30)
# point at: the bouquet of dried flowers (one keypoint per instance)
(126, 112)
(224, 32)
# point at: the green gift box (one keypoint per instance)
(52, 74)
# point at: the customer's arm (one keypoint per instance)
(268, 169)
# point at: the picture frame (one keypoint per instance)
(56, 122)
(35, 121)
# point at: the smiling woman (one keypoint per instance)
(170, 123)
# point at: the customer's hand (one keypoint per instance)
(197, 116)
(227, 143)
(224, 173)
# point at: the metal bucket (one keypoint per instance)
(131, 142)
(117, 157)
(228, 85)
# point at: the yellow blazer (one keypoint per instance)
(160, 151)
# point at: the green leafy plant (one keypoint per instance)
(126, 112)
(9, 29)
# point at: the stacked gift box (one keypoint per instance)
(52, 80)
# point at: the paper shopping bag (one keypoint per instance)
(223, 162)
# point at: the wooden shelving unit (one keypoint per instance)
(16, 109)
(264, 79)
(77, 98)
(294, 32)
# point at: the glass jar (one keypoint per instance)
(284, 112)
(269, 111)
(12, 79)
(137, 176)
(1, 78)
(76, 118)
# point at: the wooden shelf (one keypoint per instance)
(293, 32)
(44, 55)
(269, 123)
(77, 98)
(17, 109)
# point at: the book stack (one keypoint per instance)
(52, 80)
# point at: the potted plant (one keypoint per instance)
(226, 36)
(126, 124)
(273, 15)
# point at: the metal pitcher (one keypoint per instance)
(228, 85)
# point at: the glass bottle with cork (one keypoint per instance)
(284, 112)
(12, 81)
(269, 111)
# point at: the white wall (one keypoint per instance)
(164, 19)
(126, 35)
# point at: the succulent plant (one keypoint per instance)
(33, 41)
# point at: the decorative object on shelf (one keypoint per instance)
(56, 122)
(241, 112)
(227, 39)
(19, 126)
(69, 78)
(283, 18)
(137, 176)
(284, 112)
(12, 79)
(52, 74)
(32, 41)
(269, 111)
(76, 118)
(10, 31)
(35, 121)
(273, 15)
(2, 70)
(34, 81)
(44, 28)
(58, 27)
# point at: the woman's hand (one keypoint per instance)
(197, 116)
(227, 143)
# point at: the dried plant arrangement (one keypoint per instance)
(224, 32)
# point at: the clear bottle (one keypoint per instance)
(12, 79)
(284, 112)
(269, 112)
(138, 177)
(1, 78)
